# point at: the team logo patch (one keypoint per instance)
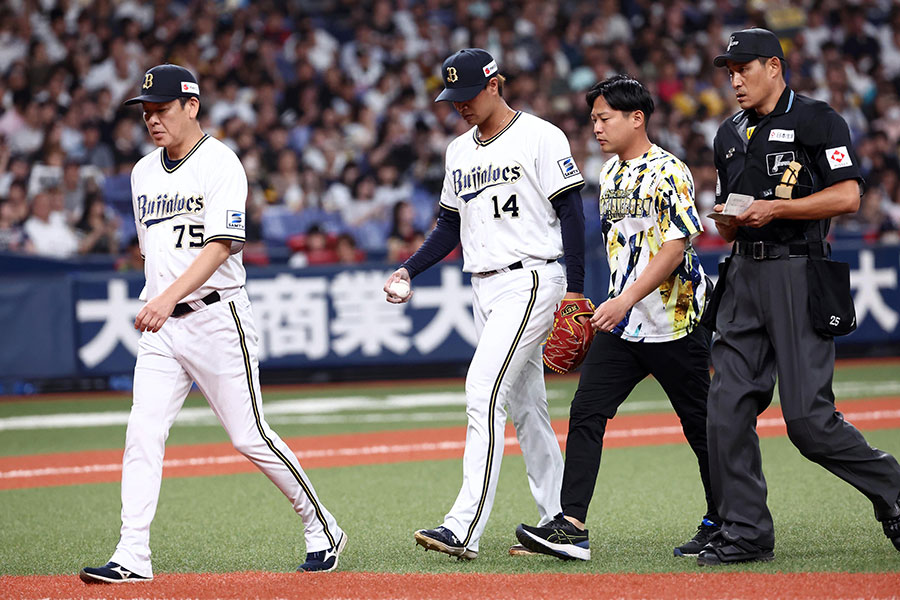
(189, 87)
(838, 157)
(777, 162)
(568, 167)
(234, 219)
(781, 135)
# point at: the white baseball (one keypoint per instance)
(399, 288)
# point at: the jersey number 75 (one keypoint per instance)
(194, 231)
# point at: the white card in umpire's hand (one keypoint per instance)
(735, 204)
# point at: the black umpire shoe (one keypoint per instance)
(692, 547)
(891, 526)
(443, 540)
(559, 538)
(722, 551)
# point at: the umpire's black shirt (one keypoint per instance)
(752, 152)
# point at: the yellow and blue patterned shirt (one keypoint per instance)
(645, 202)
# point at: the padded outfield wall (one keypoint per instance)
(69, 321)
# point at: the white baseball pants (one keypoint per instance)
(513, 315)
(216, 347)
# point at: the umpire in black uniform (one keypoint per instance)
(764, 322)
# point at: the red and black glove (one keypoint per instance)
(569, 340)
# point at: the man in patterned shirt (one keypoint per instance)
(650, 324)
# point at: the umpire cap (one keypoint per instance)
(466, 73)
(164, 83)
(748, 44)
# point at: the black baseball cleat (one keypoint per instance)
(110, 573)
(443, 540)
(722, 551)
(693, 546)
(891, 526)
(324, 561)
(559, 538)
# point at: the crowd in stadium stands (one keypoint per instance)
(329, 104)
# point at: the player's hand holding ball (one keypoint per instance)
(397, 287)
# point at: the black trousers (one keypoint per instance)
(764, 329)
(611, 370)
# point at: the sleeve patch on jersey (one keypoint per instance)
(568, 167)
(234, 219)
(838, 157)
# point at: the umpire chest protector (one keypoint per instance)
(752, 154)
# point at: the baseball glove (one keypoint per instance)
(569, 340)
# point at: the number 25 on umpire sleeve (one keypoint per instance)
(196, 233)
(510, 206)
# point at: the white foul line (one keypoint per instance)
(390, 449)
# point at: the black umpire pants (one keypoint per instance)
(611, 370)
(764, 328)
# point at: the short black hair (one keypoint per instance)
(622, 93)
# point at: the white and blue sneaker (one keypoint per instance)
(324, 560)
(558, 538)
(110, 573)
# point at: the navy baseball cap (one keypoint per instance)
(466, 73)
(749, 44)
(164, 83)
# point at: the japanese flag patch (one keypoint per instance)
(234, 219)
(568, 167)
(838, 157)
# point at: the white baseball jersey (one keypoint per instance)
(180, 208)
(502, 187)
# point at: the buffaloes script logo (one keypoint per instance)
(452, 76)
(731, 42)
(470, 183)
(148, 81)
(164, 207)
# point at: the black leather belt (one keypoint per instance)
(183, 308)
(770, 250)
(516, 265)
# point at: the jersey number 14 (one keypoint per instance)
(510, 206)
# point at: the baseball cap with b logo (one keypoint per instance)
(750, 44)
(164, 83)
(466, 73)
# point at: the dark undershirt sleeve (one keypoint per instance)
(570, 210)
(439, 243)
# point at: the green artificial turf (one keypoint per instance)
(647, 500)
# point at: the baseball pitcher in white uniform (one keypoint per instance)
(511, 198)
(189, 200)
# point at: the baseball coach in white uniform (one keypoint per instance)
(511, 197)
(189, 200)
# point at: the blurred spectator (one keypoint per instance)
(316, 247)
(48, 231)
(330, 105)
(98, 231)
(404, 238)
(12, 235)
(131, 260)
(346, 250)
